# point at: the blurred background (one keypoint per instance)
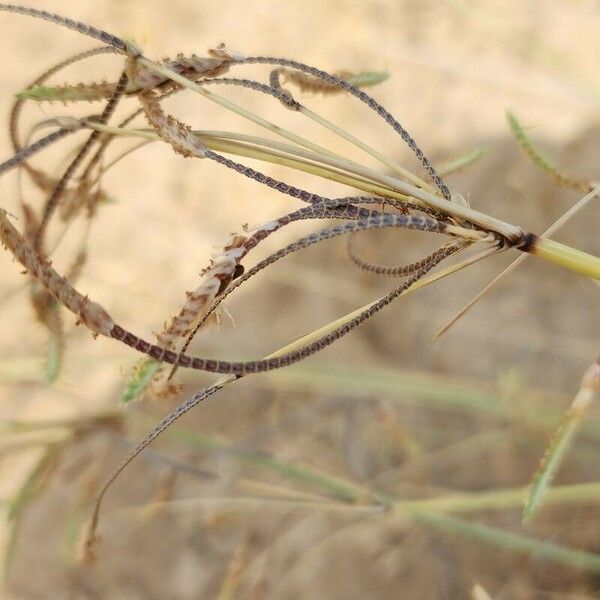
(272, 489)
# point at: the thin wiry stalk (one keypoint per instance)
(139, 447)
(107, 138)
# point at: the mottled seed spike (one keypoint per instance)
(215, 278)
(280, 186)
(363, 97)
(54, 198)
(397, 270)
(193, 67)
(98, 34)
(283, 95)
(22, 155)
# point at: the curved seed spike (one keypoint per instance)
(54, 198)
(588, 394)
(393, 271)
(98, 34)
(21, 156)
(280, 186)
(362, 96)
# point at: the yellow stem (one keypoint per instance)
(567, 257)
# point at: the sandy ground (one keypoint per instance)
(455, 68)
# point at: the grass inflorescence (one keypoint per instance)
(394, 199)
